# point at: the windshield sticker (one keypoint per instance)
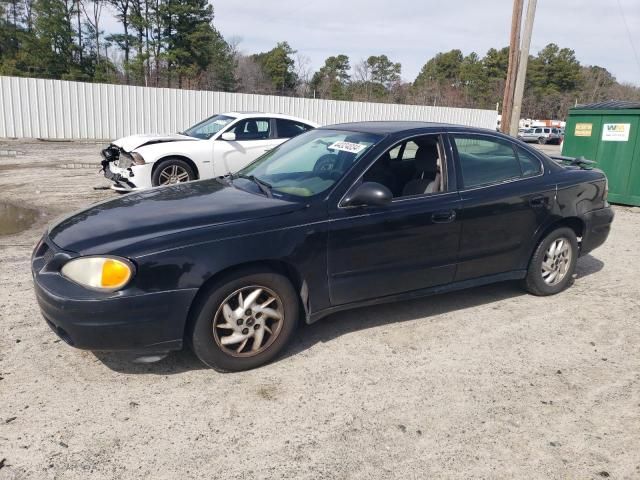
(347, 147)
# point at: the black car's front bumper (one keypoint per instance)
(140, 322)
(597, 228)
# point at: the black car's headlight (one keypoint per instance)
(106, 274)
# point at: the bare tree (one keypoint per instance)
(234, 46)
(363, 76)
(122, 8)
(28, 13)
(155, 37)
(304, 72)
(78, 8)
(93, 19)
(251, 77)
(362, 71)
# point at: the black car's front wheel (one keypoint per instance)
(244, 320)
(553, 263)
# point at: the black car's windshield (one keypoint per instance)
(209, 127)
(310, 163)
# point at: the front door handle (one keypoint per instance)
(538, 202)
(444, 217)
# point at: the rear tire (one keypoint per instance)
(542, 140)
(553, 263)
(229, 336)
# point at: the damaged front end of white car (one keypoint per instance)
(126, 167)
(117, 167)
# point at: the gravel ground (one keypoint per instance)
(485, 383)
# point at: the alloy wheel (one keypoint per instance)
(173, 174)
(248, 321)
(556, 262)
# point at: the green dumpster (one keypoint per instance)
(608, 133)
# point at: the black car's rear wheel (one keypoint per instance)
(553, 263)
(244, 320)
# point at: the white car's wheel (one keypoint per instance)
(171, 171)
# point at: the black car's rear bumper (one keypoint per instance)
(597, 228)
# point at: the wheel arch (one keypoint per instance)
(277, 266)
(574, 223)
(191, 163)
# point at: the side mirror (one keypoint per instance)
(369, 193)
(229, 136)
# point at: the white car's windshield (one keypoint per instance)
(209, 127)
(310, 163)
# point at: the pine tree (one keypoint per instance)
(279, 66)
(190, 38)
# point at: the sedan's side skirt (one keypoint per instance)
(451, 287)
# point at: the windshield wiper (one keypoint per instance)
(262, 185)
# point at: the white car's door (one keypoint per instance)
(253, 138)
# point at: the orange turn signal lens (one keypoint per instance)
(115, 273)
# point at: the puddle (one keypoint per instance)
(14, 219)
(8, 166)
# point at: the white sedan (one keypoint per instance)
(216, 146)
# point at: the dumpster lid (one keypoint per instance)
(610, 105)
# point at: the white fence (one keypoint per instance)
(55, 109)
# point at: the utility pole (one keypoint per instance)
(522, 68)
(514, 49)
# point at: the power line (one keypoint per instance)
(626, 25)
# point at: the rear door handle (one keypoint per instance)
(444, 217)
(538, 202)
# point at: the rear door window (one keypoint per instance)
(485, 161)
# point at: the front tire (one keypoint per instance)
(244, 320)
(553, 263)
(172, 171)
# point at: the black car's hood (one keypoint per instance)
(162, 211)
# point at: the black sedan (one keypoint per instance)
(339, 217)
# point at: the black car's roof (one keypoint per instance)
(390, 127)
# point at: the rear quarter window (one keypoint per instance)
(290, 129)
(530, 165)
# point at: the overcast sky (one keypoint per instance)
(412, 31)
